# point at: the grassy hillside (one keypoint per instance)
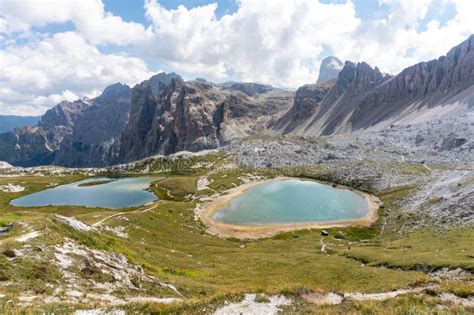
(171, 246)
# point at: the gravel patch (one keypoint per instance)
(249, 306)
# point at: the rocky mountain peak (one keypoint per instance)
(115, 89)
(164, 78)
(251, 89)
(329, 69)
(62, 114)
(161, 80)
(359, 77)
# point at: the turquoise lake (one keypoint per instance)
(293, 201)
(119, 193)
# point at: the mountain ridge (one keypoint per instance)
(166, 114)
(380, 101)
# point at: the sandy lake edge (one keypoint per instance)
(206, 210)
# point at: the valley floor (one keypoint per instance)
(418, 257)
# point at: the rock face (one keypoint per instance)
(162, 115)
(363, 98)
(95, 138)
(329, 69)
(306, 103)
(60, 120)
(30, 146)
(251, 89)
(80, 133)
(25, 146)
(168, 116)
(325, 110)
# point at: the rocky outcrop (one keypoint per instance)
(80, 133)
(30, 146)
(60, 120)
(306, 103)
(26, 146)
(354, 82)
(167, 115)
(251, 89)
(325, 110)
(171, 116)
(329, 69)
(95, 137)
(421, 91)
(362, 98)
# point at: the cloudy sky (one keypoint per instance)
(51, 50)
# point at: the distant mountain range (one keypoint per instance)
(10, 122)
(165, 114)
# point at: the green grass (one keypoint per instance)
(175, 188)
(424, 249)
(172, 246)
(201, 265)
(407, 304)
(224, 180)
(462, 289)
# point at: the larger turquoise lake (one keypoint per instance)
(293, 201)
(118, 193)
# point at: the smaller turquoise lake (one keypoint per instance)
(118, 193)
(293, 201)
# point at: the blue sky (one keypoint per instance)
(63, 50)
(132, 10)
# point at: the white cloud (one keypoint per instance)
(274, 41)
(280, 42)
(396, 42)
(41, 73)
(88, 16)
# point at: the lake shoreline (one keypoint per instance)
(211, 205)
(94, 192)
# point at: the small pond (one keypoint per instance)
(293, 201)
(108, 193)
